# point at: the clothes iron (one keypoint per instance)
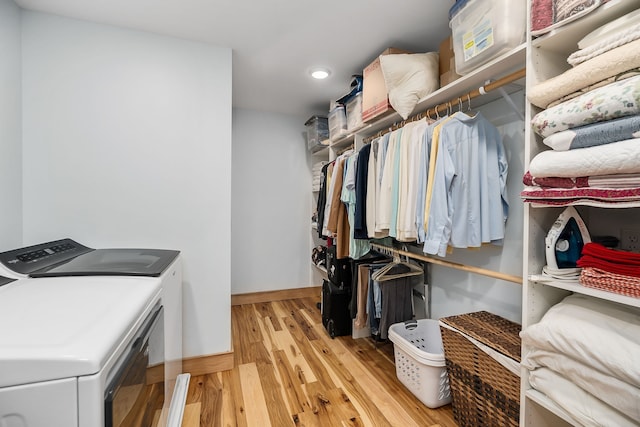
(565, 240)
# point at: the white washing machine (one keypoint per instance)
(93, 306)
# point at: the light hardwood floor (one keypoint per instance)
(289, 372)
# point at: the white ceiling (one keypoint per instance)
(276, 42)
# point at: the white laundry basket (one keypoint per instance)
(420, 362)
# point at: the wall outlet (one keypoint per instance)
(630, 240)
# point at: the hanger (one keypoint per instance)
(402, 269)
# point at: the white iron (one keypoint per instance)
(565, 240)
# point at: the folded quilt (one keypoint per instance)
(605, 65)
(618, 99)
(611, 345)
(618, 181)
(620, 395)
(622, 284)
(554, 182)
(544, 203)
(625, 75)
(582, 406)
(605, 194)
(622, 157)
(611, 42)
(595, 134)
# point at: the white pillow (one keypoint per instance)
(409, 78)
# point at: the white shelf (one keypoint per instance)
(542, 400)
(565, 39)
(603, 295)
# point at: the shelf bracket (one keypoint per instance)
(512, 104)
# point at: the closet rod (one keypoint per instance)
(457, 266)
(509, 78)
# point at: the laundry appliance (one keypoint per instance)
(565, 240)
(104, 312)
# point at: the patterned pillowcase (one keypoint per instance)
(608, 102)
(564, 9)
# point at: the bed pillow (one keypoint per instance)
(409, 78)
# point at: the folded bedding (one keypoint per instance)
(618, 99)
(549, 15)
(605, 194)
(622, 76)
(622, 284)
(600, 133)
(601, 67)
(543, 203)
(618, 394)
(622, 157)
(618, 181)
(611, 345)
(583, 407)
(610, 254)
(606, 44)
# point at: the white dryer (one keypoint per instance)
(94, 286)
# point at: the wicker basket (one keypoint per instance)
(484, 392)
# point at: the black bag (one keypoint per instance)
(338, 270)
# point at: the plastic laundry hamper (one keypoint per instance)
(420, 362)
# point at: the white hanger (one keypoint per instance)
(386, 272)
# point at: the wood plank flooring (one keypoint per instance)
(289, 372)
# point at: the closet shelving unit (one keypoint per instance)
(466, 89)
(546, 58)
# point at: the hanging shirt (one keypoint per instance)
(409, 165)
(371, 190)
(395, 184)
(386, 186)
(361, 190)
(470, 173)
(357, 247)
(383, 146)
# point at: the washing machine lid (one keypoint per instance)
(68, 326)
(67, 257)
(113, 262)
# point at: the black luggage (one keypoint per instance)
(335, 309)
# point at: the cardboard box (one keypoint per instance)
(447, 62)
(375, 99)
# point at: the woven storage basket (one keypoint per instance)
(484, 392)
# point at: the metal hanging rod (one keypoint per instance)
(457, 266)
(434, 112)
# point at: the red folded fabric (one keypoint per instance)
(611, 267)
(613, 255)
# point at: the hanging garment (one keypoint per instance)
(371, 190)
(357, 247)
(396, 301)
(468, 205)
(406, 230)
(360, 215)
(327, 207)
(322, 199)
(383, 146)
(338, 224)
(395, 183)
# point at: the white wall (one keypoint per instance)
(127, 143)
(10, 127)
(270, 204)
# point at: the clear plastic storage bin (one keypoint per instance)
(337, 123)
(420, 362)
(484, 29)
(317, 132)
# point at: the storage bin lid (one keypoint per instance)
(457, 7)
(490, 329)
(314, 119)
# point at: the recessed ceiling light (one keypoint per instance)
(320, 73)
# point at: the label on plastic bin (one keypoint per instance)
(479, 39)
